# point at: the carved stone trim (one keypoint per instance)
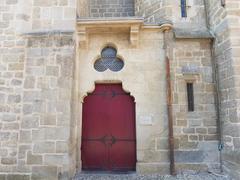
(134, 35)
(82, 37)
(131, 25)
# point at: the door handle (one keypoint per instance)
(107, 140)
(113, 140)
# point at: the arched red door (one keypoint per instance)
(108, 130)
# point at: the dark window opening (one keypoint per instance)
(109, 60)
(190, 97)
(223, 3)
(183, 8)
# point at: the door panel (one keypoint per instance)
(123, 156)
(109, 135)
(95, 155)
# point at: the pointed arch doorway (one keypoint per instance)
(108, 130)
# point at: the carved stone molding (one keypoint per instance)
(134, 35)
(82, 37)
(130, 25)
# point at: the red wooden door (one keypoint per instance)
(108, 129)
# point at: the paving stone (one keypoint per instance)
(189, 175)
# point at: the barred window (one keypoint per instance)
(190, 97)
(108, 60)
(183, 8)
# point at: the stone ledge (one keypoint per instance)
(129, 25)
(15, 177)
(181, 33)
(47, 33)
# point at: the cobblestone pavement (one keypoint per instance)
(182, 176)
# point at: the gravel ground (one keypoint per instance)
(183, 176)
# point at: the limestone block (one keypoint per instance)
(14, 98)
(29, 82)
(3, 152)
(44, 147)
(43, 3)
(188, 130)
(25, 136)
(44, 172)
(11, 126)
(27, 109)
(232, 130)
(56, 159)
(48, 119)
(4, 136)
(15, 66)
(212, 130)
(69, 13)
(8, 161)
(63, 2)
(57, 12)
(30, 122)
(201, 130)
(33, 159)
(52, 70)
(18, 177)
(30, 96)
(16, 82)
(189, 156)
(162, 144)
(9, 117)
(3, 177)
(61, 147)
(23, 151)
(64, 24)
(210, 137)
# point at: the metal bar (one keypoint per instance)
(170, 119)
(217, 86)
(109, 94)
(218, 106)
(108, 139)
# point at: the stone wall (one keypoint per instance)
(153, 11)
(158, 11)
(35, 88)
(12, 58)
(35, 115)
(37, 53)
(224, 23)
(195, 132)
(46, 113)
(111, 8)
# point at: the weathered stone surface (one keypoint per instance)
(44, 147)
(9, 117)
(44, 172)
(8, 161)
(34, 159)
(30, 122)
(14, 98)
(18, 177)
(29, 82)
(61, 147)
(55, 159)
(109, 8)
(3, 177)
(189, 156)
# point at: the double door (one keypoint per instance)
(108, 130)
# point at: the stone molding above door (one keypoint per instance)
(131, 25)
